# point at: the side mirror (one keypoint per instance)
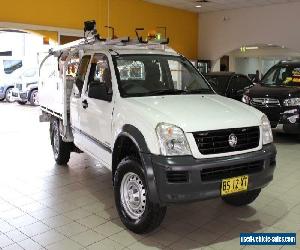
(97, 90)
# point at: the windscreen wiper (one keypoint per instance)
(165, 92)
(199, 91)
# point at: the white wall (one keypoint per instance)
(224, 31)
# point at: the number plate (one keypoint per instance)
(234, 185)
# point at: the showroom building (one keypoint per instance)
(119, 129)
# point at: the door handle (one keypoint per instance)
(85, 104)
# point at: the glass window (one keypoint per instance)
(143, 75)
(100, 72)
(286, 75)
(11, 65)
(81, 73)
(30, 73)
(99, 82)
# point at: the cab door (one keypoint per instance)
(96, 109)
(75, 98)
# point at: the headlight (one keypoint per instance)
(267, 136)
(172, 140)
(292, 102)
(246, 99)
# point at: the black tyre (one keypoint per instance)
(242, 199)
(136, 210)
(34, 98)
(8, 95)
(21, 103)
(61, 149)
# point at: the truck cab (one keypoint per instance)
(146, 113)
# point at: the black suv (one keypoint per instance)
(229, 84)
(278, 96)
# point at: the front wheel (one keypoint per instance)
(21, 102)
(136, 211)
(34, 98)
(241, 199)
(61, 149)
(8, 95)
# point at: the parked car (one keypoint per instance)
(278, 96)
(26, 88)
(229, 84)
(9, 73)
(158, 126)
(6, 91)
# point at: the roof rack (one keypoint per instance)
(94, 38)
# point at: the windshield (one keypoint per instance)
(150, 75)
(11, 65)
(283, 75)
(30, 73)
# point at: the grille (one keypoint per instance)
(19, 86)
(265, 102)
(217, 141)
(219, 173)
(177, 176)
(23, 95)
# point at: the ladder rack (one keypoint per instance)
(93, 40)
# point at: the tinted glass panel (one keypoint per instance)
(287, 75)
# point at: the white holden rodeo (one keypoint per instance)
(149, 116)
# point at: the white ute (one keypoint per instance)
(149, 116)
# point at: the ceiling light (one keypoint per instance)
(250, 48)
(198, 6)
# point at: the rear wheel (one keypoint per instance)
(34, 99)
(8, 95)
(21, 102)
(61, 149)
(136, 210)
(241, 199)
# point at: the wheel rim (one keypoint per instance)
(35, 98)
(9, 95)
(133, 195)
(55, 141)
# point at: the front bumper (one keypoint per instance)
(18, 95)
(2, 93)
(190, 184)
(287, 118)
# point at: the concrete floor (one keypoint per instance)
(44, 206)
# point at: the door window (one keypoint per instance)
(99, 82)
(80, 72)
